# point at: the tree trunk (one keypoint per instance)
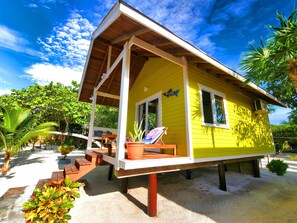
(293, 72)
(6, 165)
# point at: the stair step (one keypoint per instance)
(90, 155)
(82, 162)
(41, 182)
(57, 175)
(70, 169)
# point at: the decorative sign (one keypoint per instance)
(170, 92)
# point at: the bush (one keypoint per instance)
(65, 149)
(278, 167)
(52, 203)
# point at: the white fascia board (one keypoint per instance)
(167, 34)
(222, 158)
(85, 68)
(108, 20)
(138, 164)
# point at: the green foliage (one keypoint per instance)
(274, 62)
(65, 150)
(58, 103)
(286, 147)
(17, 127)
(278, 167)
(53, 203)
(137, 135)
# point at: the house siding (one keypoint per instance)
(247, 134)
(161, 75)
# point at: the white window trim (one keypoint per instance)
(212, 93)
(150, 98)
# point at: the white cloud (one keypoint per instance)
(68, 45)
(13, 40)
(45, 73)
(5, 91)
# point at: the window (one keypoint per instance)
(213, 107)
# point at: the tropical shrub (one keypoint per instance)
(65, 150)
(278, 167)
(17, 127)
(53, 203)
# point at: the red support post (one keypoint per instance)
(152, 195)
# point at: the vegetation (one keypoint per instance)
(53, 203)
(274, 63)
(137, 135)
(278, 167)
(17, 127)
(65, 150)
(58, 103)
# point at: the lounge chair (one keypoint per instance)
(153, 140)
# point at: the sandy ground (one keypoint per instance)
(267, 199)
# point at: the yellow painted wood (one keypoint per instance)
(248, 133)
(161, 75)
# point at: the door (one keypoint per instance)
(149, 112)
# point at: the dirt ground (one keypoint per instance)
(267, 199)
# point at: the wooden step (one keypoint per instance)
(70, 169)
(57, 175)
(41, 182)
(90, 155)
(80, 162)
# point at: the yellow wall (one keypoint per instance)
(248, 133)
(161, 75)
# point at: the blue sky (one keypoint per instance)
(48, 40)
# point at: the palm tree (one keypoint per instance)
(17, 127)
(275, 62)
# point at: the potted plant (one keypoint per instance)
(136, 147)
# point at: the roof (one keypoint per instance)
(124, 22)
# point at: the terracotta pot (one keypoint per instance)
(135, 150)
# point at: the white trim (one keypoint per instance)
(109, 159)
(123, 108)
(212, 93)
(113, 66)
(170, 36)
(92, 118)
(201, 160)
(108, 20)
(138, 164)
(187, 110)
(158, 96)
(107, 95)
(85, 68)
(155, 50)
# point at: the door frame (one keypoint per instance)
(158, 96)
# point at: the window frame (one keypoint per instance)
(213, 107)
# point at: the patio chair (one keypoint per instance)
(153, 140)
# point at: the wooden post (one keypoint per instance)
(110, 172)
(256, 168)
(188, 174)
(222, 178)
(152, 195)
(124, 185)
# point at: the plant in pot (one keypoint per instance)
(136, 147)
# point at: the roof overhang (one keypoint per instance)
(124, 22)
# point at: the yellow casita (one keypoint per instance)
(245, 133)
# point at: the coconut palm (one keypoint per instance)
(17, 127)
(275, 62)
